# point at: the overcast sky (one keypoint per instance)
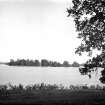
(37, 29)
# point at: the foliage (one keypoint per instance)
(66, 64)
(89, 18)
(75, 64)
(42, 63)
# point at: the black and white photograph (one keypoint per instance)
(52, 52)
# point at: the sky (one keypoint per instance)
(38, 29)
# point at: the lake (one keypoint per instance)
(49, 75)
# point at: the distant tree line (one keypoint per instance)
(42, 63)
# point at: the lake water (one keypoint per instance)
(49, 75)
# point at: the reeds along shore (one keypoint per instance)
(42, 94)
(44, 86)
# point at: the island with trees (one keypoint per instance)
(42, 63)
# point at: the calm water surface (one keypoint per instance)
(48, 75)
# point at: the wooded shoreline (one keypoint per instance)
(41, 63)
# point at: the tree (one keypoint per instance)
(37, 63)
(11, 62)
(89, 18)
(66, 64)
(75, 64)
(44, 62)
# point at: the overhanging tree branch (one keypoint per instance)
(89, 18)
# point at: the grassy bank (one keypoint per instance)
(42, 94)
